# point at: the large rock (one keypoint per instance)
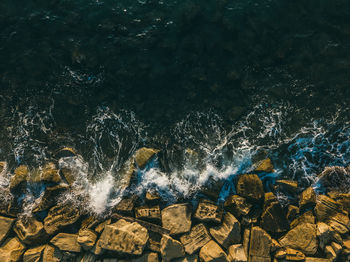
(303, 237)
(148, 257)
(59, 217)
(50, 196)
(11, 250)
(49, 173)
(229, 232)
(171, 248)
(177, 218)
(144, 155)
(187, 258)
(259, 245)
(335, 178)
(273, 218)
(307, 217)
(87, 238)
(124, 237)
(237, 205)
(34, 254)
(307, 199)
(264, 166)
(196, 239)
(207, 211)
(148, 213)
(30, 231)
(51, 254)
(20, 178)
(324, 234)
(66, 242)
(289, 186)
(126, 206)
(251, 187)
(237, 254)
(212, 252)
(5, 227)
(342, 199)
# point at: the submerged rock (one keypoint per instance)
(11, 250)
(195, 239)
(229, 232)
(212, 252)
(49, 173)
(177, 218)
(50, 197)
(335, 178)
(251, 187)
(171, 248)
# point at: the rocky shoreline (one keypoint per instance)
(251, 225)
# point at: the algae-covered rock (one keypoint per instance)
(229, 232)
(251, 187)
(177, 218)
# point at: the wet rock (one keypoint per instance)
(177, 218)
(11, 250)
(34, 254)
(335, 179)
(187, 258)
(330, 253)
(19, 179)
(100, 227)
(288, 186)
(59, 217)
(51, 254)
(152, 197)
(325, 208)
(307, 199)
(336, 247)
(292, 212)
(148, 257)
(237, 205)
(49, 173)
(207, 211)
(324, 234)
(275, 245)
(343, 200)
(5, 227)
(69, 175)
(50, 197)
(340, 222)
(87, 238)
(126, 206)
(252, 218)
(236, 253)
(5, 199)
(303, 237)
(250, 187)
(144, 155)
(125, 174)
(66, 242)
(229, 232)
(154, 241)
(212, 252)
(316, 259)
(307, 217)
(260, 245)
(124, 237)
(294, 255)
(246, 241)
(30, 231)
(171, 248)
(3, 168)
(87, 257)
(264, 166)
(148, 213)
(66, 152)
(196, 239)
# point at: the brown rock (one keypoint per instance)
(330, 253)
(237, 205)
(148, 257)
(251, 187)
(126, 206)
(207, 211)
(152, 197)
(66, 152)
(51, 254)
(87, 238)
(144, 155)
(307, 217)
(171, 248)
(5, 227)
(316, 259)
(212, 252)
(177, 218)
(273, 218)
(237, 254)
(289, 186)
(292, 213)
(332, 178)
(49, 173)
(260, 245)
(11, 250)
(148, 213)
(125, 237)
(340, 222)
(307, 199)
(3, 168)
(294, 255)
(275, 245)
(30, 231)
(324, 234)
(86, 257)
(229, 232)
(196, 239)
(264, 166)
(19, 178)
(50, 196)
(336, 247)
(66, 242)
(59, 217)
(246, 241)
(34, 254)
(326, 207)
(100, 227)
(303, 237)
(187, 258)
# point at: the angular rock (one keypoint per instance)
(307, 217)
(59, 217)
(303, 237)
(49, 173)
(34, 254)
(326, 207)
(50, 196)
(5, 227)
(87, 238)
(246, 241)
(66, 242)
(144, 155)
(66, 152)
(171, 248)
(273, 218)
(207, 211)
(292, 213)
(30, 231)
(250, 187)
(187, 258)
(124, 237)
(87, 257)
(324, 234)
(237, 254)
(334, 179)
(69, 175)
(307, 199)
(148, 257)
(264, 166)
(100, 227)
(294, 255)
(196, 239)
(212, 252)
(260, 245)
(19, 178)
(336, 247)
(152, 197)
(316, 259)
(51, 254)
(288, 186)
(275, 245)
(177, 218)
(126, 206)
(343, 200)
(11, 250)
(330, 253)
(148, 213)
(229, 232)
(237, 205)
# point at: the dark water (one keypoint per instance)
(236, 81)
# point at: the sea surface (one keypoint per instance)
(234, 81)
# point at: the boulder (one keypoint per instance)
(100, 227)
(5, 227)
(171, 248)
(148, 213)
(330, 253)
(86, 257)
(144, 155)
(207, 211)
(66, 242)
(250, 187)
(124, 237)
(307, 217)
(264, 166)
(260, 245)
(187, 258)
(20, 178)
(59, 217)
(11, 250)
(34, 254)
(49, 173)
(229, 232)
(288, 186)
(237, 205)
(340, 222)
(51, 254)
(294, 255)
(342, 199)
(50, 196)
(212, 252)
(177, 218)
(334, 178)
(196, 239)
(126, 206)
(307, 199)
(87, 238)
(236, 253)
(152, 197)
(30, 231)
(324, 234)
(273, 218)
(303, 237)
(292, 212)
(326, 207)
(148, 257)
(246, 241)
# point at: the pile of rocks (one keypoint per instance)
(251, 225)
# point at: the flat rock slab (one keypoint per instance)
(148, 213)
(177, 218)
(212, 252)
(207, 211)
(11, 250)
(260, 245)
(196, 239)
(171, 248)
(229, 232)
(66, 242)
